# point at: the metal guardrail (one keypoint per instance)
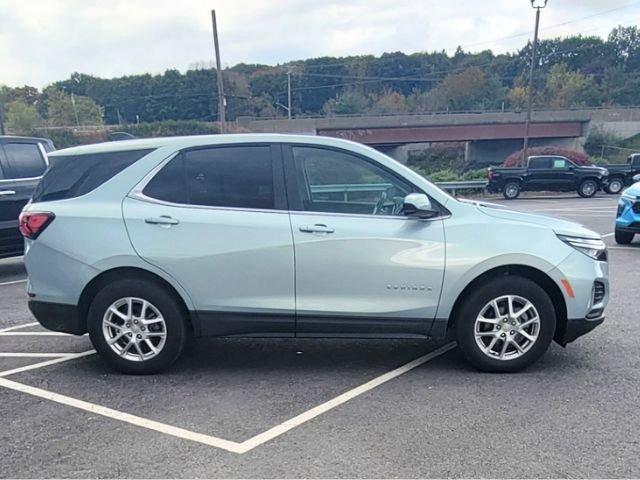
(345, 189)
(463, 185)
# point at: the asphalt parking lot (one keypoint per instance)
(328, 408)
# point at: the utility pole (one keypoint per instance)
(538, 5)
(221, 99)
(289, 93)
(75, 110)
(2, 131)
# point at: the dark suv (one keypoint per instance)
(23, 160)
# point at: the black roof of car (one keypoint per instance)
(46, 141)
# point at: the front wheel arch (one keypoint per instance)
(533, 274)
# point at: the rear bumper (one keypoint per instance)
(58, 317)
(577, 327)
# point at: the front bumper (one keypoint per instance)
(575, 328)
(628, 215)
(58, 317)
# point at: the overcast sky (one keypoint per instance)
(42, 41)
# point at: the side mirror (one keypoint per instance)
(636, 178)
(418, 205)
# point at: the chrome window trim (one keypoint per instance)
(137, 194)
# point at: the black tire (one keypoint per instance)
(588, 188)
(614, 186)
(160, 298)
(511, 190)
(624, 238)
(465, 322)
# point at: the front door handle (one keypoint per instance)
(162, 220)
(5, 193)
(317, 228)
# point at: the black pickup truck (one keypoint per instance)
(621, 174)
(546, 173)
(23, 160)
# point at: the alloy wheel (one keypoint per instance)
(134, 329)
(507, 327)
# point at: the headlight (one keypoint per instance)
(594, 248)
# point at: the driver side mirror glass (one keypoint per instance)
(418, 205)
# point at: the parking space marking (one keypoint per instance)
(13, 333)
(341, 399)
(209, 440)
(33, 355)
(12, 282)
(18, 327)
(124, 417)
(46, 363)
(608, 235)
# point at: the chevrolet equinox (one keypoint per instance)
(141, 243)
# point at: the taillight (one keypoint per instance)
(33, 224)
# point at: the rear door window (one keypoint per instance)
(540, 163)
(24, 160)
(230, 176)
(70, 176)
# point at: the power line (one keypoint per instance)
(510, 37)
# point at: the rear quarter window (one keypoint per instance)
(70, 176)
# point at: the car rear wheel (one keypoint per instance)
(505, 324)
(614, 186)
(624, 238)
(511, 190)
(588, 188)
(137, 326)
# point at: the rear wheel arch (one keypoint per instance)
(525, 271)
(118, 273)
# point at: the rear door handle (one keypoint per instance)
(317, 228)
(5, 193)
(162, 220)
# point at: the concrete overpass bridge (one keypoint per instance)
(489, 136)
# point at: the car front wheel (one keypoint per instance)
(137, 326)
(588, 189)
(623, 238)
(505, 324)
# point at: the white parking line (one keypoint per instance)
(18, 327)
(33, 355)
(124, 417)
(35, 366)
(608, 235)
(340, 399)
(12, 282)
(212, 441)
(36, 334)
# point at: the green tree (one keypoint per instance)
(625, 42)
(571, 88)
(61, 110)
(517, 97)
(468, 90)
(390, 102)
(350, 101)
(22, 118)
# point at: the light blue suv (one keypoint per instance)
(143, 242)
(628, 214)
